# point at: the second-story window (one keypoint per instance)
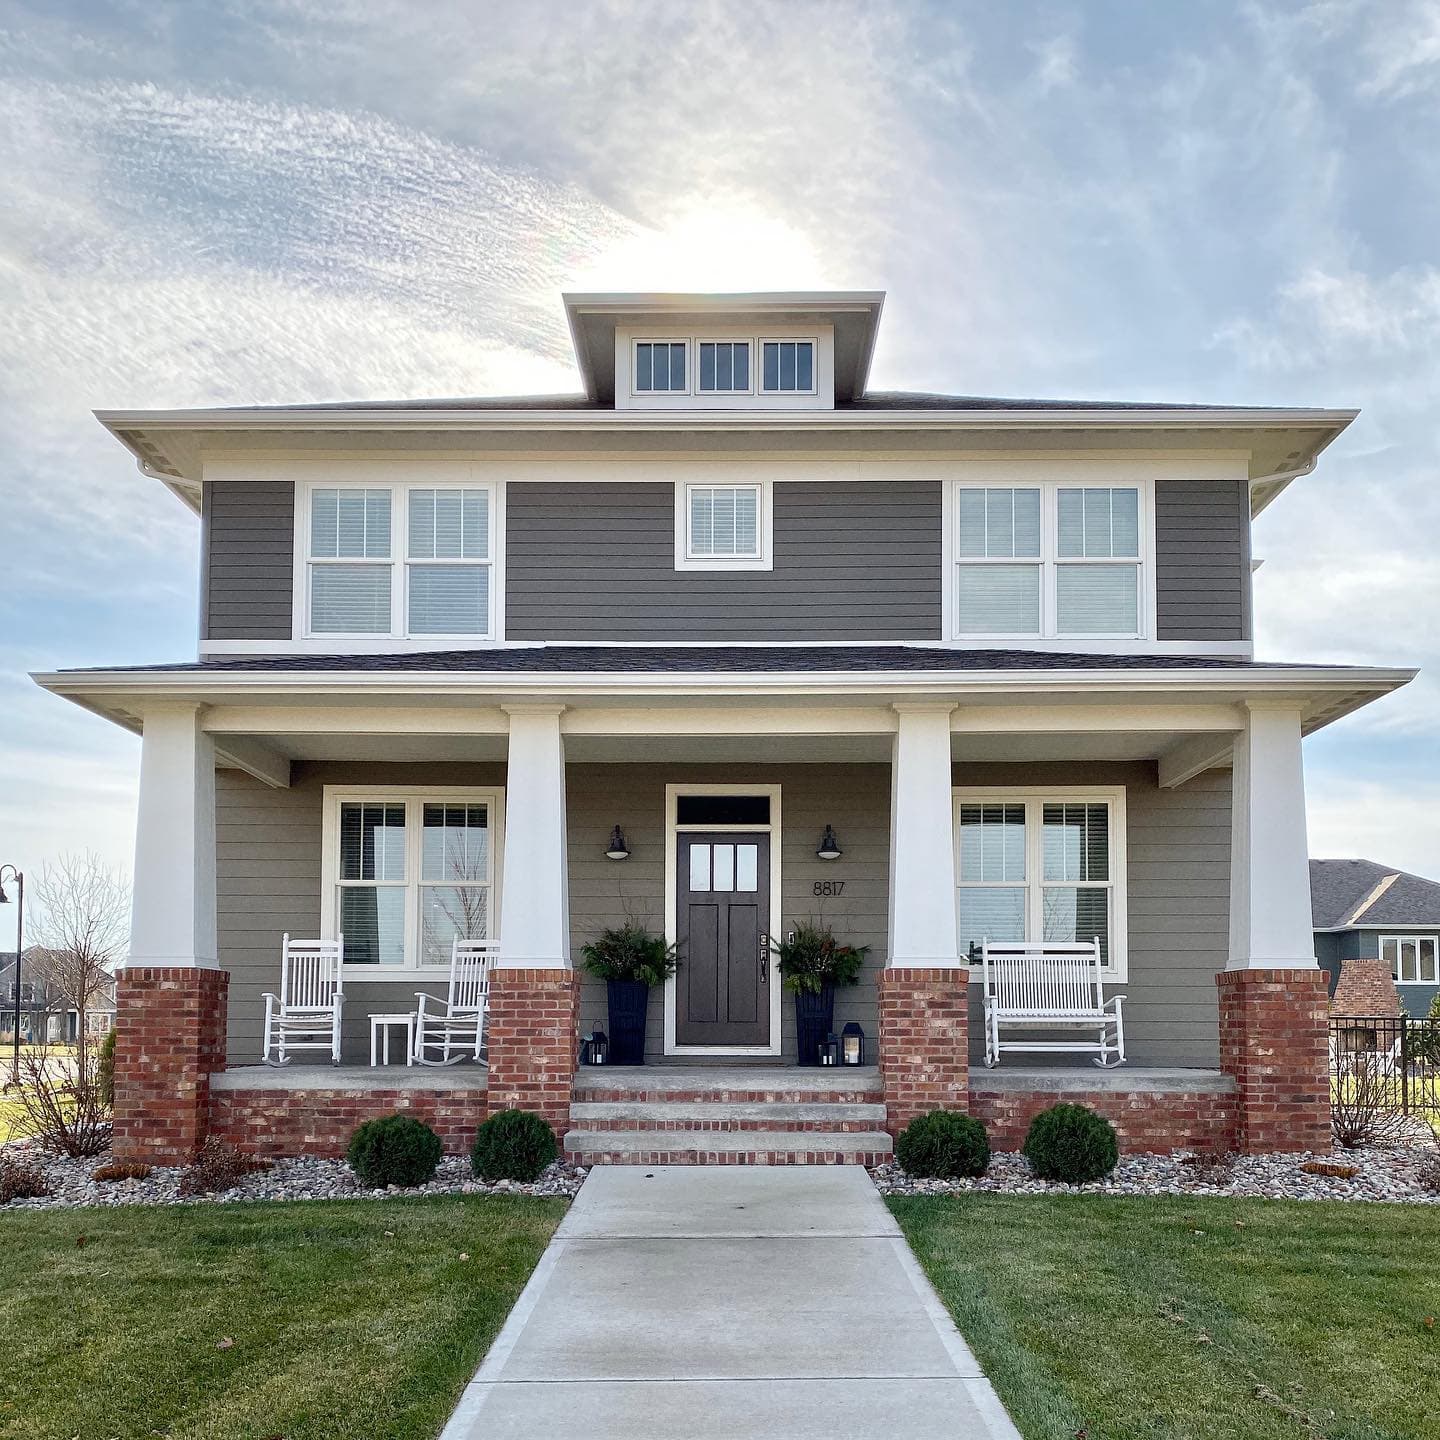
(787, 367)
(1047, 561)
(723, 527)
(660, 367)
(724, 367)
(401, 561)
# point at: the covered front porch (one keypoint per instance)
(1145, 813)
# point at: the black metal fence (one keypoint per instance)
(1403, 1052)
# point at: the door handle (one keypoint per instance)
(764, 957)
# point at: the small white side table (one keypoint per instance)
(380, 1026)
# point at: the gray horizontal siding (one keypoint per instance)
(1202, 560)
(248, 566)
(853, 561)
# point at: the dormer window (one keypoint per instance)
(724, 367)
(660, 367)
(788, 367)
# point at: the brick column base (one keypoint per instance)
(169, 1037)
(924, 1042)
(1274, 1039)
(532, 1026)
(1366, 987)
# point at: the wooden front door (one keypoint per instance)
(722, 929)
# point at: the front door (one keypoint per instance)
(722, 931)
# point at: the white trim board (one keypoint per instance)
(672, 850)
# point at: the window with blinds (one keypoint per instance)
(411, 874)
(1047, 560)
(1035, 868)
(724, 522)
(401, 561)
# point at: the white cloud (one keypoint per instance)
(1371, 820)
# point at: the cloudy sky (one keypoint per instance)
(287, 200)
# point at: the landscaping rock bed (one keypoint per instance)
(1392, 1175)
(299, 1179)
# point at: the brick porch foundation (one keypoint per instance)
(1366, 987)
(924, 1041)
(533, 1026)
(1274, 1041)
(170, 1036)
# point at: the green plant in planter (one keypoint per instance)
(630, 953)
(814, 958)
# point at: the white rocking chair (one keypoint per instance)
(305, 1015)
(1050, 985)
(456, 1024)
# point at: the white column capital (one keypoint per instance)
(522, 709)
(1270, 914)
(923, 707)
(172, 917)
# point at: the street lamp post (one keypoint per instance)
(19, 879)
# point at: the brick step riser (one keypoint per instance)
(769, 1127)
(727, 1097)
(732, 1157)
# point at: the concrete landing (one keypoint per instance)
(692, 1304)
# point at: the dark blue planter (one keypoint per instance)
(629, 1001)
(814, 1020)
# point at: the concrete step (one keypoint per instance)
(786, 1085)
(711, 1115)
(712, 1147)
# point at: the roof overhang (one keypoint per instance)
(1282, 443)
(854, 315)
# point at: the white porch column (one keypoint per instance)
(922, 841)
(172, 920)
(535, 890)
(1270, 924)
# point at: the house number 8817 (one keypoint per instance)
(829, 887)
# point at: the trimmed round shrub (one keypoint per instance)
(394, 1150)
(1072, 1144)
(513, 1145)
(945, 1144)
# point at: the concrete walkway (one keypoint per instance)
(691, 1302)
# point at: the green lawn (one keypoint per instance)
(339, 1328)
(1143, 1319)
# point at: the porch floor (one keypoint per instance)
(464, 1076)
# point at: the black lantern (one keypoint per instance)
(830, 1050)
(617, 849)
(852, 1045)
(596, 1048)
(829, 845)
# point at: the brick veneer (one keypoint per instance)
(1366, 987)
(798, 1155)
(169, 1036)
(924, 1041)
(320, 1122)
(532, 1026)
(1154, 1122)
(1274, 1040)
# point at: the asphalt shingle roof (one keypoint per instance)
(1338, 887)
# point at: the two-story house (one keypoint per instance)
(724, 599)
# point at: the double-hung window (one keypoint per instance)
(1042, 865)
(1048, 560)
(1411, 958)
(722, 527)
(402, 561)
(408, 872)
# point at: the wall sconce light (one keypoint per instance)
(617, 849)
(829, 845)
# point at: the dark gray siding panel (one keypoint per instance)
(1202, 560)
(853, 561)
(249, 548)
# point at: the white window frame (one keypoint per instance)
(758, 373)
(691, 379)
(1035, 798)
(700, 340)
(399, 561)
(414, 798)
(1049, 561)
(765, 525)
(1415, 940)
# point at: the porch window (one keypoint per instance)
(1046, 561)
(1411, 958)
(399, 562)
(1041, 866)
(410, 872)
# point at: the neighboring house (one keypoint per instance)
(723, 599)
(1377, 936)
(45, 1013)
